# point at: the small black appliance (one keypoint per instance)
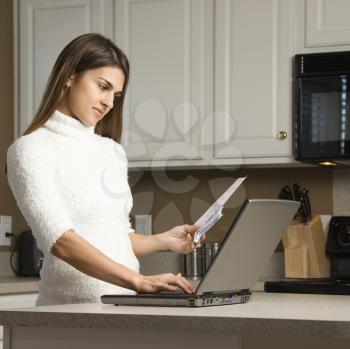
(338, 247)
(30, 258)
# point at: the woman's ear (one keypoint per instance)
(68, 83)
(71, 79)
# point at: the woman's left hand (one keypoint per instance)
(180, 238)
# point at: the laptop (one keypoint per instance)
(247, 247)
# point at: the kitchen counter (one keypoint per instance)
(266, 314)
(17, 285)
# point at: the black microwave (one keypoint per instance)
(322, 108)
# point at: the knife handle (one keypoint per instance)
(289, 192)
(296, 191)
(305, 193)
(303, 211)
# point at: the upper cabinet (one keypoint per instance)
(210, 80)
(170, 96)
(204, 94)
(323, 25)
(253, 81)
(43, 28)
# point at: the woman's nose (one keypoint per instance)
(108, 100)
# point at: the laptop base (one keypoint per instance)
(179, 299)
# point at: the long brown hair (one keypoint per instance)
(86, 52)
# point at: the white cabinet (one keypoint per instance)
(327, 22)
(210, 80)
(323, 25)
(253, 81)
(44, 28)
(16, 301)
(170, 45)
(170, 96)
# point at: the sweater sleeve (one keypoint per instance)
(31, 176)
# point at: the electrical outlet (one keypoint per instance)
(5, 227)
(143, 224)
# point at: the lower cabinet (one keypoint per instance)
(16, 301)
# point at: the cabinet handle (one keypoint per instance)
(282, 135)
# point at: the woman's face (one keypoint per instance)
(90, 97)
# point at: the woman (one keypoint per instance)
(68, 174)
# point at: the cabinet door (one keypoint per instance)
(170, 47)
(253, 81)
(327, 22)
(44, 28)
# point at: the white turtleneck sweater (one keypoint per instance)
(64, 176)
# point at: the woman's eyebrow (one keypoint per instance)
(109, 84)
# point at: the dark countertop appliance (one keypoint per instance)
(30, 258)
(322, 108)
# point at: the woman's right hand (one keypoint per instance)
(162, 282)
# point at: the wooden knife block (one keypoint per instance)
(304, 250)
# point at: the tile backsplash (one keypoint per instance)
(180, 197)
(341, 192)
(5, 269)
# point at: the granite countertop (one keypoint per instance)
(17, 285)
(265, 314)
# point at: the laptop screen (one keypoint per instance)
(248, 245)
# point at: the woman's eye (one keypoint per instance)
(102, 87)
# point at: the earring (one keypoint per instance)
(67, 85)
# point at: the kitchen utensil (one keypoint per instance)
(296, 192)
(305, 195)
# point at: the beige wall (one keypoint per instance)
(158, 193)
(7, 203)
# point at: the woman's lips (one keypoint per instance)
(98, 111)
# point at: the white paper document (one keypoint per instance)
(214, 212)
